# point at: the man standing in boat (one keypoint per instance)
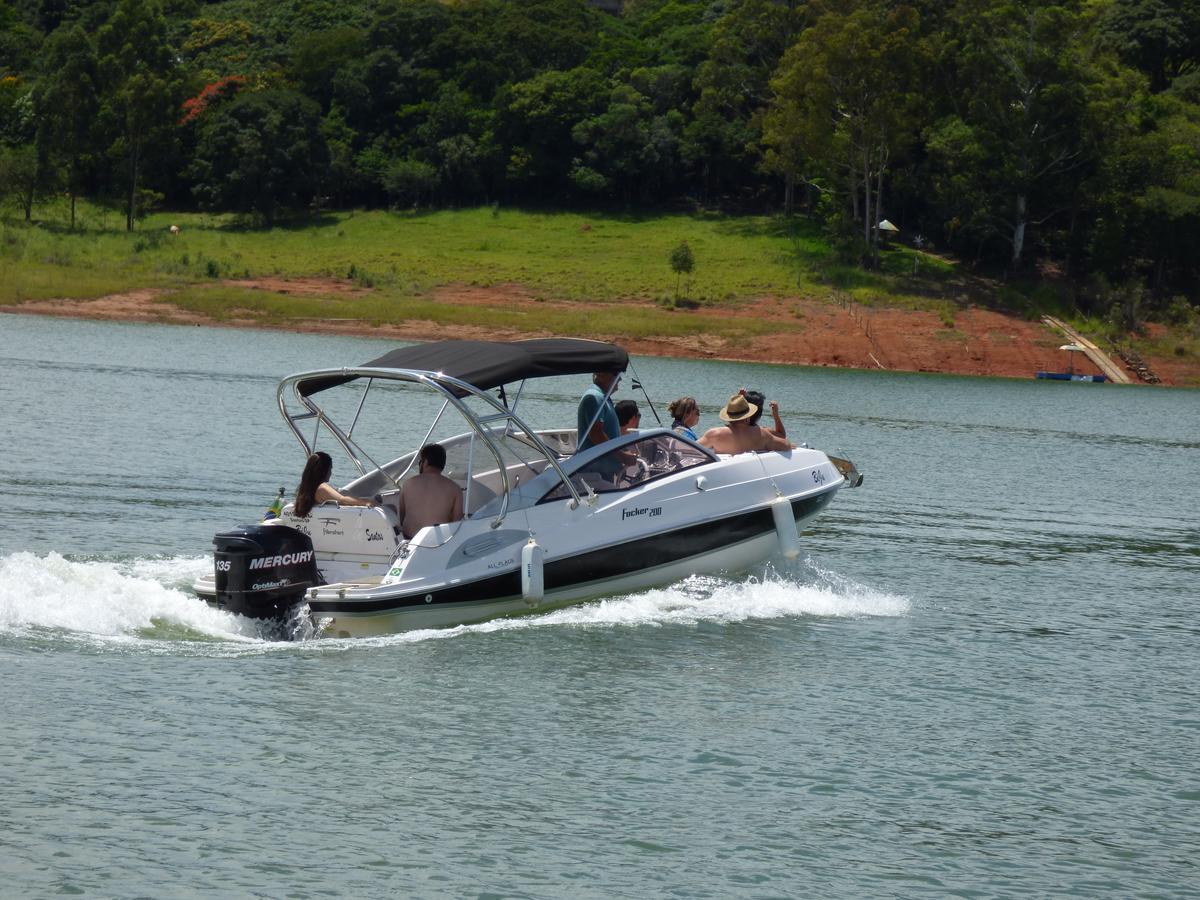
(429, 497)
(597, 417)
(597, 422)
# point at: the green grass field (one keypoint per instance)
(592, 266)
(561, 256)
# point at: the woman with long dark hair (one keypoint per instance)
(315, 488)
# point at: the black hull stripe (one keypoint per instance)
(595, 565)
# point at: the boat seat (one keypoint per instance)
(359, 530)
(388, 508)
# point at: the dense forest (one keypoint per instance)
(1023, 136)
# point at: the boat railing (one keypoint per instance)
(451, 389)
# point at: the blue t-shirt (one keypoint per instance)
(593, 399)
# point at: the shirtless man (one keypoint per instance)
(429, 497)
(740, 436)
(757, 398)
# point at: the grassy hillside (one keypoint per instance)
(597, 274)
(562, 256)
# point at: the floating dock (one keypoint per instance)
(1111, 371)
(1070, 376)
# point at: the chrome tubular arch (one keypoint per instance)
(451, 389)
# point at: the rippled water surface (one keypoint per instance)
(980, 679)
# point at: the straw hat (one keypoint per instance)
(737, 409)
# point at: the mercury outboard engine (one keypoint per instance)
(263, 570)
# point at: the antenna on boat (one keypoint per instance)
(637, 386)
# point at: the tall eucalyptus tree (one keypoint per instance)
(141, 89)
(845, 104)
(1010, 156)
(67, 100)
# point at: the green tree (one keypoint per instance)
(1159, 37)
(845, 98)
(793, 150)
(141, 90)
(407, 181)
(455, 136)
(371, 165)
(17, 121)
(535, 124)
(1023, 133)
(67, 102)
(20, 175)
(20, 42)
(341, 181)
(677, 32)
(629, 145)
(682, 262)
(414, 30)
(261, 153)
(318, 58)
(539, 35)
(1147, 218)
(1172, 202)
(723, 140)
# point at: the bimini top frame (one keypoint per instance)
(452, 391)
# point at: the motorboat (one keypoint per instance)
(544, 525)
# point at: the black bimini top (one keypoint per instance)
(489, 364)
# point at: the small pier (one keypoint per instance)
(1103, 361)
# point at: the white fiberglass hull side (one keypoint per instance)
(715, 519)
(368, 624)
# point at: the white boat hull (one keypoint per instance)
(366, 624)
(654, 539)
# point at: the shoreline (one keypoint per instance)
(979, 342)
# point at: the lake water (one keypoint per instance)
(980, 679)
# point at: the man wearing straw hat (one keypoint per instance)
(741, 435)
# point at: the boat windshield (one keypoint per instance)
(630, 465)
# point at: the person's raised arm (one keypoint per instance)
(779, 431)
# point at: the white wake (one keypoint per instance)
(146, 602)
(109, 599)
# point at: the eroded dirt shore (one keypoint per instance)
(979, 342)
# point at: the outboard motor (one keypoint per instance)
(263, 570)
